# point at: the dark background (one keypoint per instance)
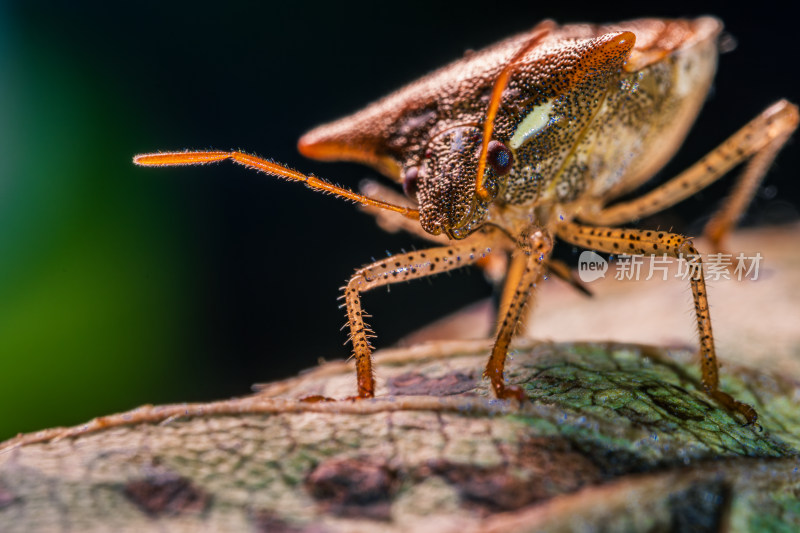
(121, 286)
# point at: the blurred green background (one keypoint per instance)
(121, 286)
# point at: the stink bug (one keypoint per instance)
(529, 141)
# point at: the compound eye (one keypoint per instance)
(499, 157)
(410, 182)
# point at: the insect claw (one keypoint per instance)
(753, 424)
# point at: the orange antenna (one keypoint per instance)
(171, 159)
(494, 103)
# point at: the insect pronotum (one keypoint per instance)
(528, 142)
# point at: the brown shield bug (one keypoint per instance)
(529, 141)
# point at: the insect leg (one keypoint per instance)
(760, 140)
(563, 272)
(536, 248)
(517, 267)
(494, 266)
(401, 267)
(638, 242)
(726, 217)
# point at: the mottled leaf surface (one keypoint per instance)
(617, 437)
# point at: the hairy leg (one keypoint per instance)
(759, 140)
(640, 242)
(394, 269)
(536, 247)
